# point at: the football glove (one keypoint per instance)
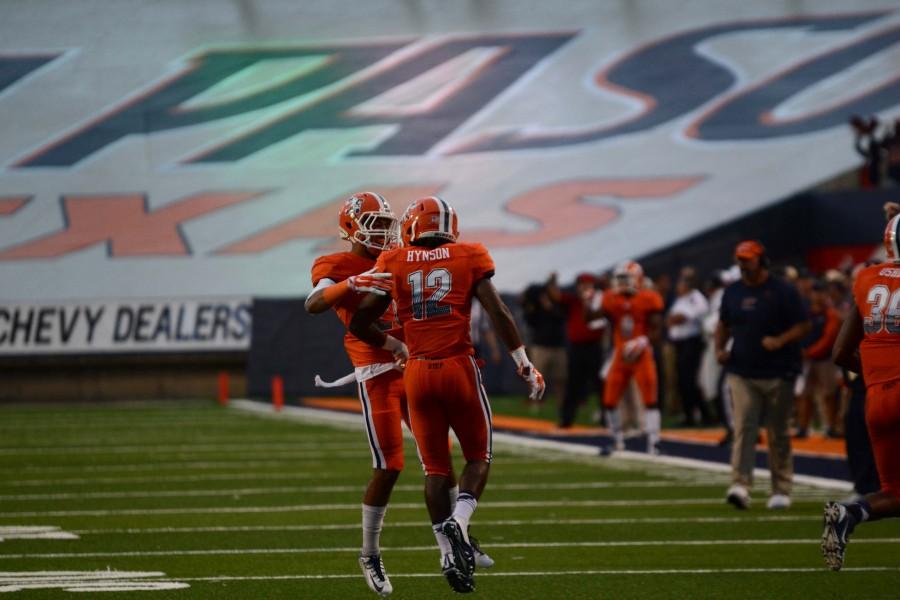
(371, 282)
(398, 349)
(526, 371)
(633, 348)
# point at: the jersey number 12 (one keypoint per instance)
(438, 280)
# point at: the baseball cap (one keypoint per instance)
(749, 249)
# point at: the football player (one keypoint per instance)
(340, 282)
(434, 279)
(869, 343)
(636, 316)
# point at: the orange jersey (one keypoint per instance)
(338, 267)
(877, 294)
(433, 291)
(629, 314)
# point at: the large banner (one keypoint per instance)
(125, 326)
(182, 149)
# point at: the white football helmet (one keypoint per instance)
(628, 277)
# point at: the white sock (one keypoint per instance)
(454, 494)
(372, 520)
(614, 419)
(465, 506)
(442, 541)
(652, 418)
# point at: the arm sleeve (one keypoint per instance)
(821, 348)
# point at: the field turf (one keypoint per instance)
(218, 503)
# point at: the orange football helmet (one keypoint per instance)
(429, 217)
(367, 218)
(628, 277)
(892, 239)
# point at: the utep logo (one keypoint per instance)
(343, 84)
(355, 205)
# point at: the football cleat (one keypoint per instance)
(482, 560)
(463, 554)
(838, 525)
(458, 580)
(373, 570)
(738, 496)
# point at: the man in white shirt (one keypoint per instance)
(685, 323)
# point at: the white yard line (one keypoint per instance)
(477, 523)
(236, 447)
(431, 548)
(578, 573)
(355, 507)
(326, 489)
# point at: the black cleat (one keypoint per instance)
(459, 581)
(838, 525)
(463, 554)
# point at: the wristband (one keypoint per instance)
(519, 356)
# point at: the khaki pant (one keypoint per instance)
(752, 399)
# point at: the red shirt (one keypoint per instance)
(576, 325)
(338, 267)
(433, 290)
(877, 294)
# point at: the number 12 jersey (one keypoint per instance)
(433, 289)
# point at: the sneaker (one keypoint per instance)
(653, 449)
(778, 502)
(839, 525)
(739, 496)
(618, 442)
(373, 570)
(458, 580)
(482, 560)
(463, 555)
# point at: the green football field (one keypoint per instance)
(192, 500)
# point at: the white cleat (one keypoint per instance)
(482, 560)
(373, 570)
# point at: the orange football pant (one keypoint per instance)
(445, 394)
(883, 421)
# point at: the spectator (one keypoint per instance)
(685, 328)
(891, 145)
(546, 322)
(819, 387)
(869, 147)
(585, 352)
(764, 317)
(714, 378)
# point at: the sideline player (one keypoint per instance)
(341, 280)
(869, 343)
(636, 316)
(434, 280)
